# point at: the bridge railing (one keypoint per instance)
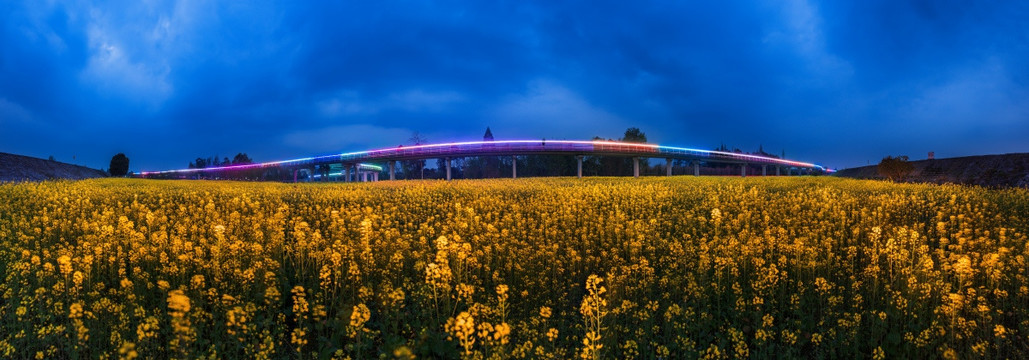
(471, 149)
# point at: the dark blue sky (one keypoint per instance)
(837, 84)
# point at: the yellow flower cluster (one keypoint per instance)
(462, 328)
(358, 318)
(669, 267)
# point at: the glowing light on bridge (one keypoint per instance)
(574, 146)
(369, 166)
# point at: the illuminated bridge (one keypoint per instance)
(361, 165)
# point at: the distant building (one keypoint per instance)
(488, 136)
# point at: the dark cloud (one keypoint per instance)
(837, 83)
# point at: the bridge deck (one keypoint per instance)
(516, 147)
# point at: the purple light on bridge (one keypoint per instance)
(645, 149)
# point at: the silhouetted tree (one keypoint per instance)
(761, 152)
(119, 165)
(489, 166)
(412, 167)
(241, 159)
(473, 168)
(623, 165)
(895, 168)
(441, 168)
(456, 168)
(634, 134)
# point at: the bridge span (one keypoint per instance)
(359, 165)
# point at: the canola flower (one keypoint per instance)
(612, 268)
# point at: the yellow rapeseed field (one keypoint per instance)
(678, 267)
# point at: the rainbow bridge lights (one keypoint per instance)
(360, 162)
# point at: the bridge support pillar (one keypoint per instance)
(789, 171)
(578, 166)
(514, 167)
(447, 161)
(764, 170)
(777, 171)
(392, 175)
(375, 176)
(310, 174)
(696, 168)
(743, 170)
(635, 167)
(295, 171)
(353, 170)
(668, 167)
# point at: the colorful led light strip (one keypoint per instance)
(385, 152)
(370, 166)
(359, 166)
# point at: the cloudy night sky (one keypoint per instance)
(842, 85)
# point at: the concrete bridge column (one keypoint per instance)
(295, 171)
(353, 170)
(514, 167)
(668, 167)
(346, 173)
(447, 161)
(764, 170)
(375, 176)
(310, 174)
(777, 168)
(743, 170)
(364, 176)
(635, 167)
(789, 171)
(578, 161)
(391, 174)
(696, 168)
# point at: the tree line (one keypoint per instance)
(212, 161)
